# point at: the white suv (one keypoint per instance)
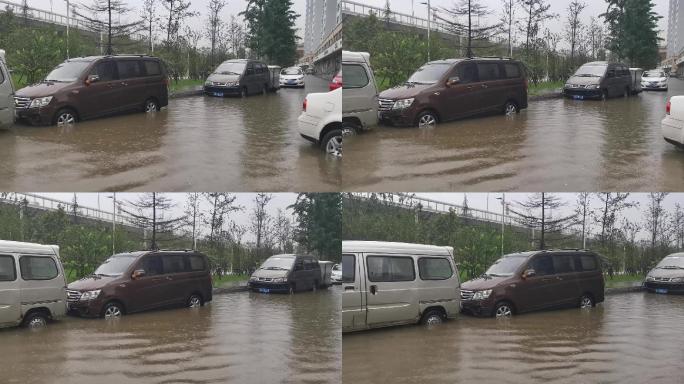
(321, 120)
(6, 94)
(673, 123)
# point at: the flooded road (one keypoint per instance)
(630, 338)
(196, 144)
(238, 338)
(555, 145)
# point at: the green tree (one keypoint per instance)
(280, 40)
(318, 229)
(633, 31)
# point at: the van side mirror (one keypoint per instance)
(92, 79)
(138, 273)
(529, 273)
(453, 81)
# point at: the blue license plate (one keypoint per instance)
(218, 94)
(578, 97)
(264, 290)
(661, 290)
(291, 81)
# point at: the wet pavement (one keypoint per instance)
(630, 338)
(196, 144)
(554, 145)
(238, 338)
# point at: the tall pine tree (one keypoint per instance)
(633, 31)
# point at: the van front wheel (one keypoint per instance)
(65, 116)
(194, 301)
(433, 317)
(151, 106)
(35, 320)
(503, 309)
(511, 108)
(587, 302)
(112, 310)
(427, 119)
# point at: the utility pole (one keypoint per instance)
(114, 226)
(428, 26)
(67, 31)
(503, 220)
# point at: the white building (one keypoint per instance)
(675, 29)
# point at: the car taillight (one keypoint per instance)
(304, 105)
(667, 108)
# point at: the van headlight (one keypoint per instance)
(279, 280)
(678, 280)
(402, 104)
(481, 295)
(253, 278)
(90, 295)
(592, 86)
(650, 278)
(40, 102)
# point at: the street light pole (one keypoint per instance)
(67, 31)
(503, 219)
(428, 26)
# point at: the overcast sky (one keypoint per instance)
(594, 8)
(233, 7)
(479, 201)
(105, 203)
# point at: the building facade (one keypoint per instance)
(322, 17)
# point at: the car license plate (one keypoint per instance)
(264, 290)
(661, 290)
(578, 97)
(218, 94)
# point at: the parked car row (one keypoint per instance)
(387, 284)
(33, 288)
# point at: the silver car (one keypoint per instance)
(667, 276)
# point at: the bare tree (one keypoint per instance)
(582, 212)
(536, 213)
(220, 205)
(573, 26)
(112, 28)
(656, 217)
(178, 10)
(261, 221)
(475, 31)
(537, 11)
(214, 25)
(236, 37)
(150, 18)
(284, 232)
(149, 211)
(678, 225)
(193, 215)
(508, 20)
(612, 204)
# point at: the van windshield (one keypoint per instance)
(115, 266)
(67, 72)
(671, 262)
(591, 71)
(230, 68)
(506, 266)
(278, 263)
(429, 74)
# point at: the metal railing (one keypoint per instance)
(359, 9)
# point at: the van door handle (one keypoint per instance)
(169, 278)
(349, 288)
(373, 289)
(559, 278)
(485, 86)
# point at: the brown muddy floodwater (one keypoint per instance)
(630, 338)
(554, 145)
(238, 338)
(196, 144)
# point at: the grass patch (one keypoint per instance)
(618, 281)
(229, 280)
(184, 85)
(544, 87)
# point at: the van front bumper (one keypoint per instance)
(673, 131)
(582, 93)
(397, 117)
(260, 286)
(221, 91)
(477, 307)
(35, 116)
(89, 308)
(660, 287)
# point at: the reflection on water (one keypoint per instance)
(197, 143)
(631, 338)
(558, 145)
(238, 338)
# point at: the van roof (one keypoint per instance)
(481, 58)
(391, 247)
(7, 246)
(128, 56)
(358, 57)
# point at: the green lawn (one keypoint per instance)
(618, 281)
(229, 280)
(544, 87)
(184, 85)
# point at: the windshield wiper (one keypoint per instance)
(587, 75)
(228, 73)
(272, 268)
(671, 267)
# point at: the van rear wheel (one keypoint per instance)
(587, 302)
(36, 320)
(433, 317)
(511, 108)
(151, 105)
(194, 301)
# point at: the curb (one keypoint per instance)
(546, 96)
(188, 93)
(222, 291)
(615, 291)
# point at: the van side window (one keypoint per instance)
(152, 68)
(152, 265)
(488, 71)
(105, 70)
(196, 263)
(468, 73)
(563, 263)
(348, 268)
(299, 265)
(434, 268)
(173, 263)
(38, 268)
(8, 270)
(512, 71)
(2, 75)
(390, 268)
(128, 69)
(542, 265)
(588, 262)
(250, 69)
(354, 76)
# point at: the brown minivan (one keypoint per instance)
(138, 281)
(529, 281)
(455, 88)
(88, 87)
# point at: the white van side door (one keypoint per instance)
(392, 293)
(353, 297)
(6, 97)
(10, 303)
(42, 283)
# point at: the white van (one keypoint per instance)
(389, 284)
(6, 94)
(32, 284)
(360, 97)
